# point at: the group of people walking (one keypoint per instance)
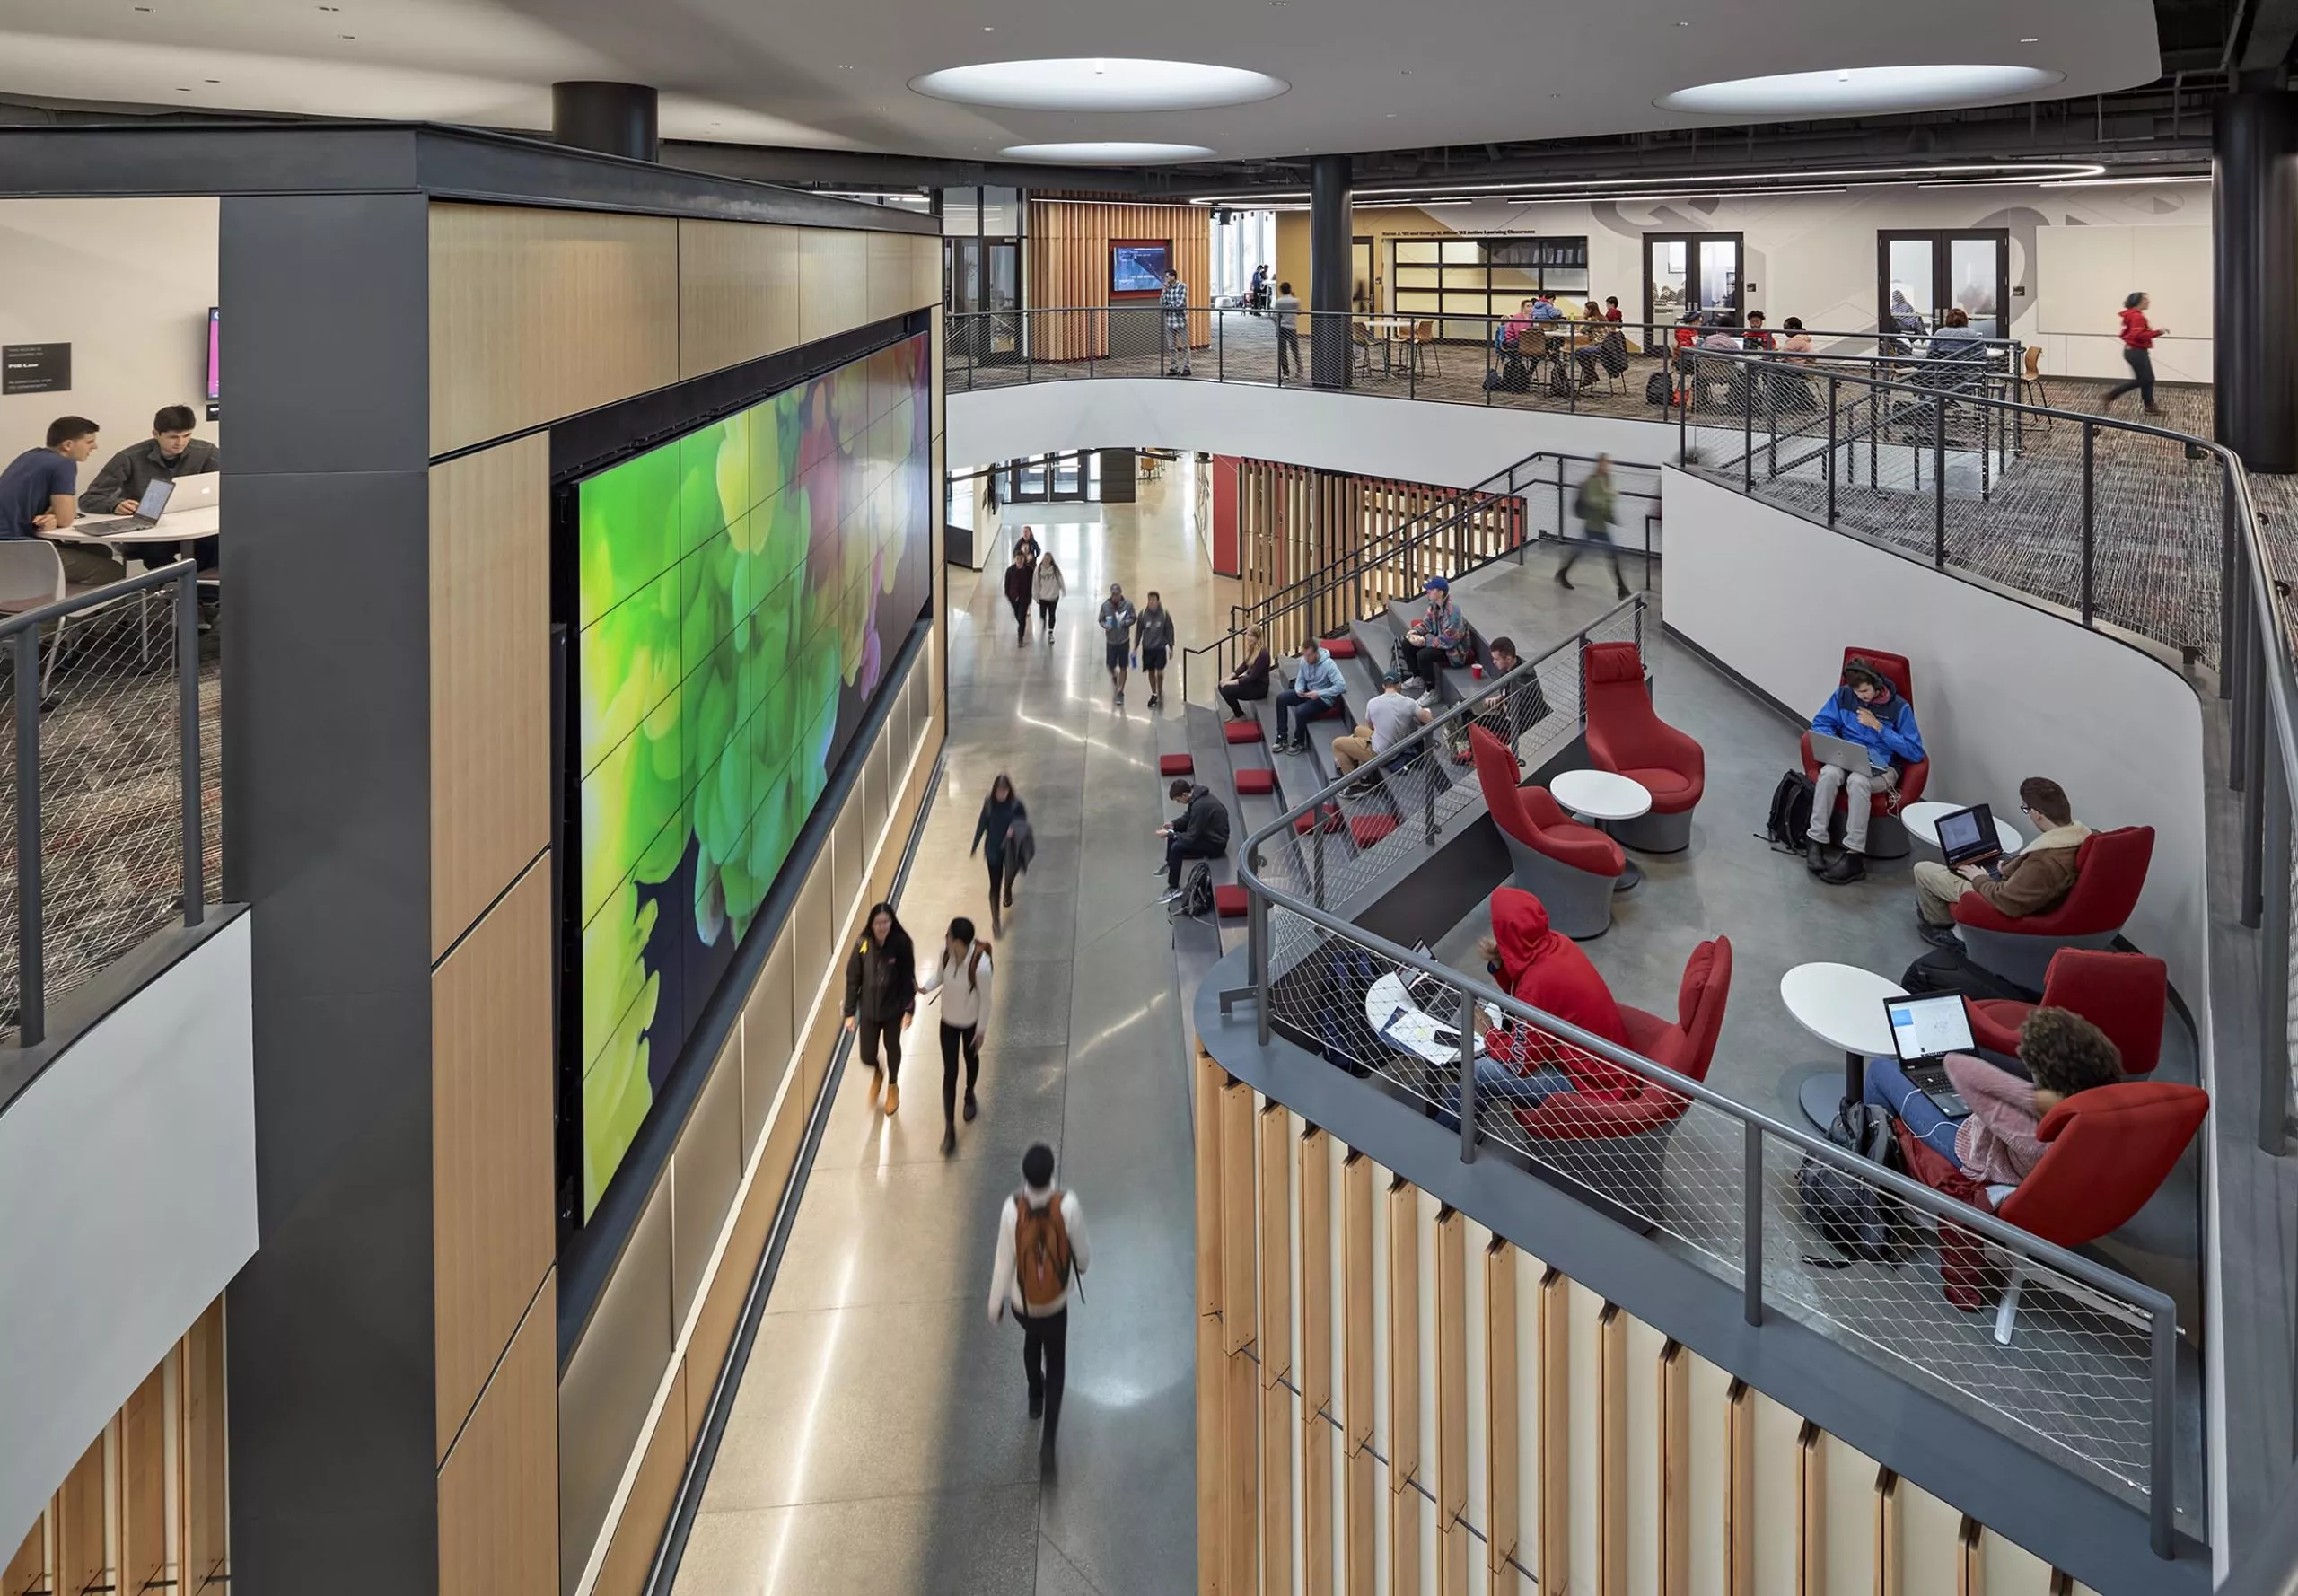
(1034, 574)
(1129, 636)
(882, 987)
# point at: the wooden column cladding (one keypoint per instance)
(1455, 1548)
(1405, 1467)
(1555, 1422)
(1314, 1364)
(1297, 522)
(1069, 269)
(1356, 1352)
(1502, 1388)
(1276, 1338)
(1241, 1402)
(1210, 1373)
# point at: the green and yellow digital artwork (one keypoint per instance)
(739, 591)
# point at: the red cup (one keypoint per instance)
(1476, 671)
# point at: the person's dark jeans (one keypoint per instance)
(1303, 708)
(1020, 616)
(206, 552)
(1045, 1360)
(870, 1032)
(1235, 697)
(1178, 850)
(1045, 607)
(1288, 350)
(957, 1039)
(1887, 1087)
(1428, 663)
(1001, 878)
(2142, 377)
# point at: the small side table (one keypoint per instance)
(1843, 1006)
(1603, 795)
(1922, 822)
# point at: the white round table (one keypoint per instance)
(1843, 1006)
(1604, 795)
(1922, 822)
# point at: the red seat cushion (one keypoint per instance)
(1229, 902)
(1241, 731)
(1368, 829)
(1304, 824)
(1341, 648)
(1260, 779)
(1176, 765)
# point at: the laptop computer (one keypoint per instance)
(1924, 1031)
(203, 490)
(1842, 753)
(153, 506)
(1968, 836)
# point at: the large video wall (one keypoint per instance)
(740, 592)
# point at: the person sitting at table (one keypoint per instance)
(1316, 691)
(1440, 637)
(1867, 709)
(1250, 679)
(1611, 307)
(1758, 336)
(1797, 342)
(1544, 309)
(1995, 1142)
(36, 499)
(1545, 969)
(2034, 881)
(170, 453)
(1513, 328)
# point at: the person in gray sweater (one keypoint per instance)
(1154, 635)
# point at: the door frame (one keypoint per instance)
(1691, 265)
(1939, 239)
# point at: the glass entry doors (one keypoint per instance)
(1690, 271)
(1072, 478)
(1921, 275)
(985, 275)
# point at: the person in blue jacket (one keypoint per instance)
(1867, 709)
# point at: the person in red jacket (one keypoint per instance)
(1543, 968)
(2137, 352)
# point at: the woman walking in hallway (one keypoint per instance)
(1050, 588)
(2138, 353)
(1021, 582)
(1002, 814)
(882, 998)
(962, 978)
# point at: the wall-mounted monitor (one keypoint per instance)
(215, 355)
(739, 591)
(1137, 265)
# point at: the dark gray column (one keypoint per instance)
(613, 118)
(2255, 229)
(1330, 232)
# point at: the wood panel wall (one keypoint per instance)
(498, 1488)
(1295, 522)
(1068, 269)
(1562, 1383)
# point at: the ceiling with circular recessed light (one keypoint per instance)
(1262, 78)
(1106, 152)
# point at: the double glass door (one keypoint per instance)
(1921, 275)
(1690, 271)
(1054, 478)
(984, 274)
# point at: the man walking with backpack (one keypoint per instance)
(1040, 1245)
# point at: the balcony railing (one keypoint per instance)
(104, 774)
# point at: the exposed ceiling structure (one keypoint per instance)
(837, 75)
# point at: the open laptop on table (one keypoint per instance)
(1924, 1031)
(1842, 753)
(153, 506)
(1968, 836)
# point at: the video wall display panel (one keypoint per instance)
(740, 592)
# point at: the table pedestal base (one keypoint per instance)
(1824, 1093)
(1630, 878)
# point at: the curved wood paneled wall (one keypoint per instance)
(1069, 267)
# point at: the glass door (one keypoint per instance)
(1364, 285)
(1001, 293)
(1921, 275)
(1690, 271)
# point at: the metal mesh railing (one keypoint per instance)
(113, 787)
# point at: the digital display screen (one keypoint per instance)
(1928, 1027)
(1138, 265)
(740, 592)
(214, 354)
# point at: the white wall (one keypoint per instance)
(1408, 440)
(127, 283)
(2003, 691)
(126, 1205)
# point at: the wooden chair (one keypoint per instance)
(1423, 340)
(1360, 339)
(2030, 375)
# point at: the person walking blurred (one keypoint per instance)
(1041, 1251)
(2138, 353)
(1597, 504)
(1050, 587)
(1003, 813)
(882, 998)
(963, 978)
(1021, 582)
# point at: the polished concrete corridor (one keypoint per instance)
(880, 1442)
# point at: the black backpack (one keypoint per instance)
(1851, 1216)
(1656, 391)
(1790, 820)
(1197, 891)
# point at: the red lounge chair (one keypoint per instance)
(1626, 737)
(1886, 834)
(2111, 871)
(2124, 994)
(1570, 866)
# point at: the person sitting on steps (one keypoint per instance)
(1867, 709)
(1316, 691)
(1440, 637)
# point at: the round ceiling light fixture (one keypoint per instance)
(1112, 151)
(1843, 90)
(1092, 82)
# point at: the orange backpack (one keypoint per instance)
(1041, 1252)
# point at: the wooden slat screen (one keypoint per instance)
(1069, 269)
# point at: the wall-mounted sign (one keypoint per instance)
(35, 368)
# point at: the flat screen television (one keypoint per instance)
(214, 354)
(739, 591)
(1137, 265)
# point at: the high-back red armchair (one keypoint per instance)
(1626, 737)
(2105, 1152)
(2127, 995)
(1886, 836)
(1570, 866)
(2110, 872)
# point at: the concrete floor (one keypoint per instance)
(879, 1442)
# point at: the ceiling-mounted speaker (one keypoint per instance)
(1222, 218)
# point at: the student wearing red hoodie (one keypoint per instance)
(2137, 352)
(1545, 969)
